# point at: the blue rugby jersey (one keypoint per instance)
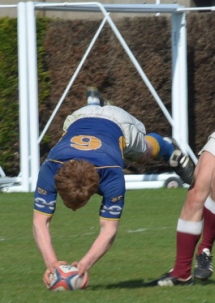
(100, 142)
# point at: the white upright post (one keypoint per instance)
(179, 80)
(23, 97)
(33, 95)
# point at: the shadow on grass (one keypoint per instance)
(132, 284)
(195, 282)
(204, 283)
(123, 284)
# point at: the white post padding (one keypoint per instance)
(33, 95)
(23, 98)
(179, 79)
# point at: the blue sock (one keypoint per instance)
(163, 149)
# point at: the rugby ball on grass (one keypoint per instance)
(66, 277)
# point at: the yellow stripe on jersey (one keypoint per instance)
(113, 166)
(109, 219)
(41, 213)
(96, 167)
(53, 160)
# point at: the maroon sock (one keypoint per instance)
(186, 244)
(208, 234)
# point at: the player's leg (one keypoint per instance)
(203, 268)
(190, 224)
(94, 97)
(168, 149)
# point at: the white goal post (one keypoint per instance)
(28, 83)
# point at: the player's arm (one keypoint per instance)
(108, 230)
(42, 237)
(43, 240)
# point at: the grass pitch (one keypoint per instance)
(144, 249)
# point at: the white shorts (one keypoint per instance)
(210, 145)
(133, 130)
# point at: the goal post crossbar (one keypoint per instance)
(28, 75)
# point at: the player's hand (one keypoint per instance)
(75, 263)
(82, 269)
(50, 270)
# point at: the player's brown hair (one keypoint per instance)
(76, 181)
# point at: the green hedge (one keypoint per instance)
(8, 93)
(9, 105)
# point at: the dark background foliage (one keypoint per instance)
(61, 46)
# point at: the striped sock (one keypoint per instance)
(161, 148)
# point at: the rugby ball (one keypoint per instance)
(65, 277)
